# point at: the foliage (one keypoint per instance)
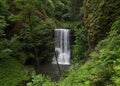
(108, 52)
(64, 10)
(4, 50)
(102, 69)
(31, 33)
(81, 76)
(75, 10)
(40, 80)
(12, 72)
(2, 24)
(4, 8)
(34, 29)
(116, 65)
(78, 40)
(35, 21)
(98, 19)
(80, 43)
(116, 24)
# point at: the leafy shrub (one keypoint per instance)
(81, 76)
(80, 43)
(40, 80)
(12, 72)
(116, 66)
(108, 52)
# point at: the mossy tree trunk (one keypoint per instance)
(98, 18)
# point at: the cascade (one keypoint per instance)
(62, 48)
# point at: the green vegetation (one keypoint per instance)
(80, 43)
(27, 39)
(41, 81)
(102, 69)
(12, 73)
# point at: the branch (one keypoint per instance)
(41, 15)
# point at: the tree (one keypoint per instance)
(36, 31)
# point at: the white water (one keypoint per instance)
(62, 48)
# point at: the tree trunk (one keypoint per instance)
(37, 66)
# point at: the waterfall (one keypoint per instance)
(62, 48)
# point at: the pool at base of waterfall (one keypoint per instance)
(52, 70)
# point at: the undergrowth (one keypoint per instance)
(12, 73)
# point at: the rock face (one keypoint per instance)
(98, 18)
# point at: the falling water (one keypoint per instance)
(62, 48)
